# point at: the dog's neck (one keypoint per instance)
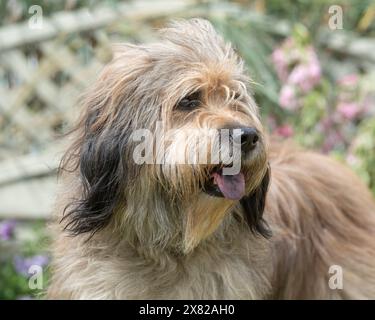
(151, 238)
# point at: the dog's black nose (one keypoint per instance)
(249, 139)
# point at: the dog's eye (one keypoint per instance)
(189, 102)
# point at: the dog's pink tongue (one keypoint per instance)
(231, 186)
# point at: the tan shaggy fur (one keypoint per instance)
(128, 231)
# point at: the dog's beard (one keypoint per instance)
(203, 217)
(205, 212)
(205, 196)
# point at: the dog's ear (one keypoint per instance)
(102, 175)
(101, 147)
(253, 207)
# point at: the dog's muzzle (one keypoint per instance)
(233, 186)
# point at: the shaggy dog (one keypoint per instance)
(280, 228)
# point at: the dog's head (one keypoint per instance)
(170, 141)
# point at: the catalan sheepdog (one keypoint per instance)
(172, 189)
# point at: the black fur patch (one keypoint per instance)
(102, 174)
(253, 207)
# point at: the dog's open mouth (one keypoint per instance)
(228, 186)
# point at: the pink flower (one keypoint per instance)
(298, 74)
(349, 80)
(287, 98)
(284, 131)
(299, 70)
(349, 110)
(280, 62)
(306, 75)
(315, 71)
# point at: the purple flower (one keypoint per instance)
(287, 98)
(22, 265)
(7, 229)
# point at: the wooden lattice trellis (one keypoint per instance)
(42, 71)
(41, 85)
(42, 74)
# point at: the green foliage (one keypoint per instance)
(364, 150)
(29, 239)
(13, 285)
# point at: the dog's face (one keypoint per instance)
(183, 105)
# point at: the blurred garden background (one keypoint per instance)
(314, 80)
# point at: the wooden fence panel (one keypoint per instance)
(42, 74)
